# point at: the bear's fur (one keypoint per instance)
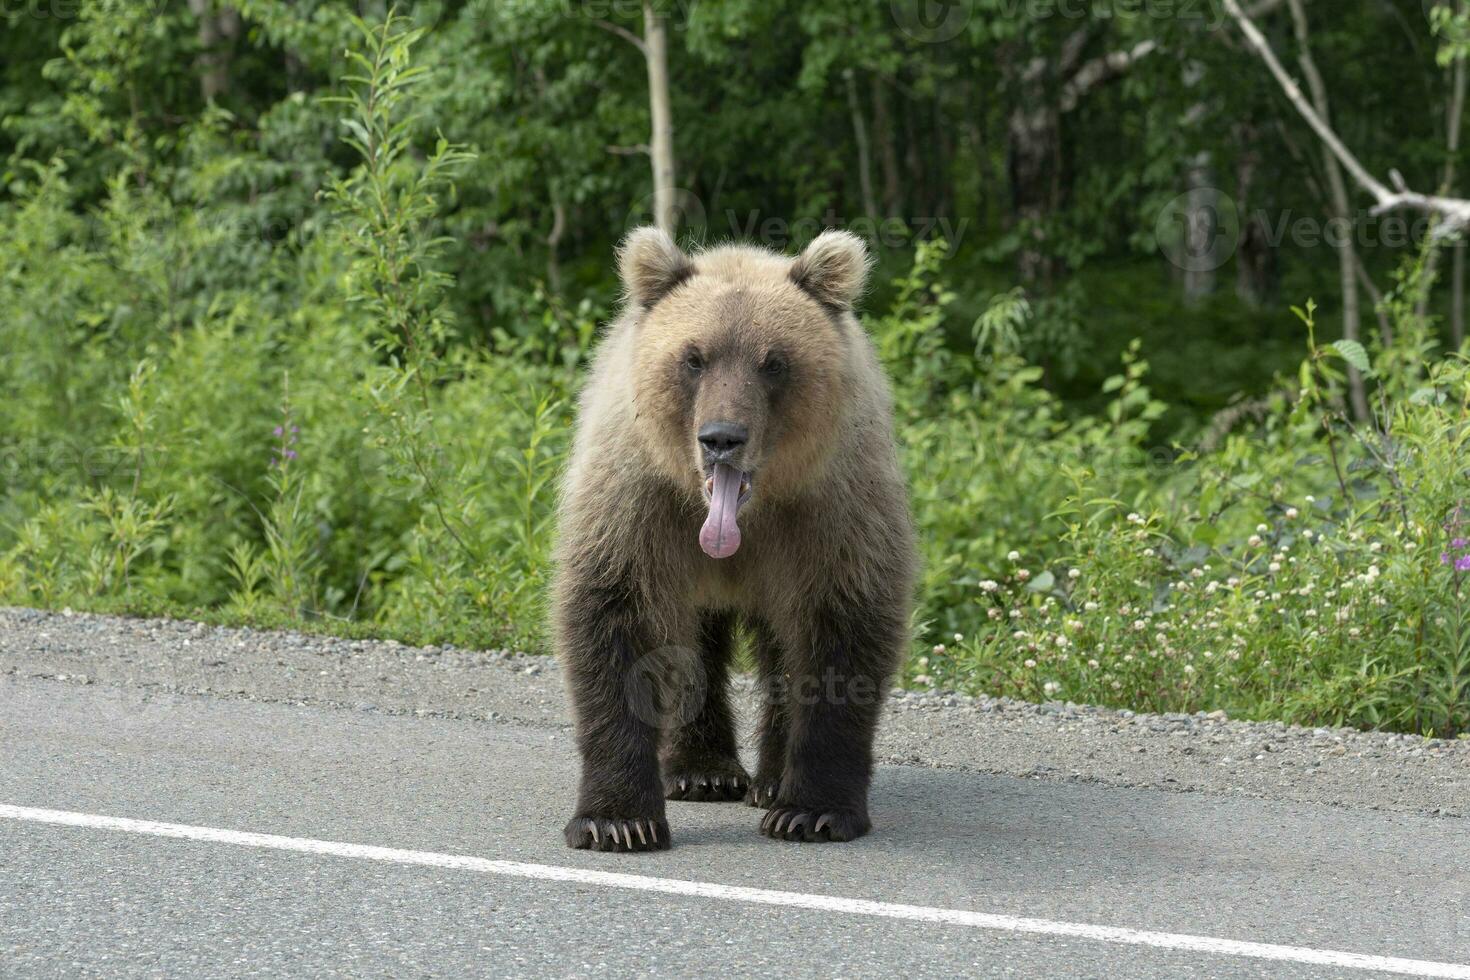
(821, 567)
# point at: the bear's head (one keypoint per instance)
(741, 364)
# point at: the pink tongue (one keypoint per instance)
(720, 536)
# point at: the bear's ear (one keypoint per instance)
(651, 265)
(833, 268)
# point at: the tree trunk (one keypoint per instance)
(887, 150)
(912, 160)
(1201, 225)
(217, 28)
(864, 152)
(943, 155)
(553, 241)
(1033, 149)
(1347, 259)
(1039, 182)
(1454, 118)
(661, 143)
(1255, 258)
(295, 73)
(1454, 127)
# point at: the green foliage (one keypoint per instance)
(307, 443)
(302, 352)
(1310, 569)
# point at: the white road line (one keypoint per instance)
(758, 896)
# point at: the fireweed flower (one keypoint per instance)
(286, 434)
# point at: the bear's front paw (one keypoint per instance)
(814, 824)
(599, 833)
(763, 792)
(718, 784)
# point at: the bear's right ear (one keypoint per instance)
(651, 265)
(833, 268)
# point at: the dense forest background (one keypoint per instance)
(293, 294)
(1048, 141)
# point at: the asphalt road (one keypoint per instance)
(96, 901)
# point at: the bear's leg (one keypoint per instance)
(700, 760)
(834, 701)
(770, 732)
(620, 802)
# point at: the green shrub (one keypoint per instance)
(1308, 569)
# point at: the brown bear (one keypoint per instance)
(734, 464)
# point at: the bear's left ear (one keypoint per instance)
(833, 268)
(651, 265)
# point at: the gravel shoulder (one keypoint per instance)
(1051, 742)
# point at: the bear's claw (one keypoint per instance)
(704, 786)
(796, 823)
(763, 794)
(618, 834)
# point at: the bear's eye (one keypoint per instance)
(774, 366)
(694, 362)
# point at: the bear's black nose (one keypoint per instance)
(721, 440)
